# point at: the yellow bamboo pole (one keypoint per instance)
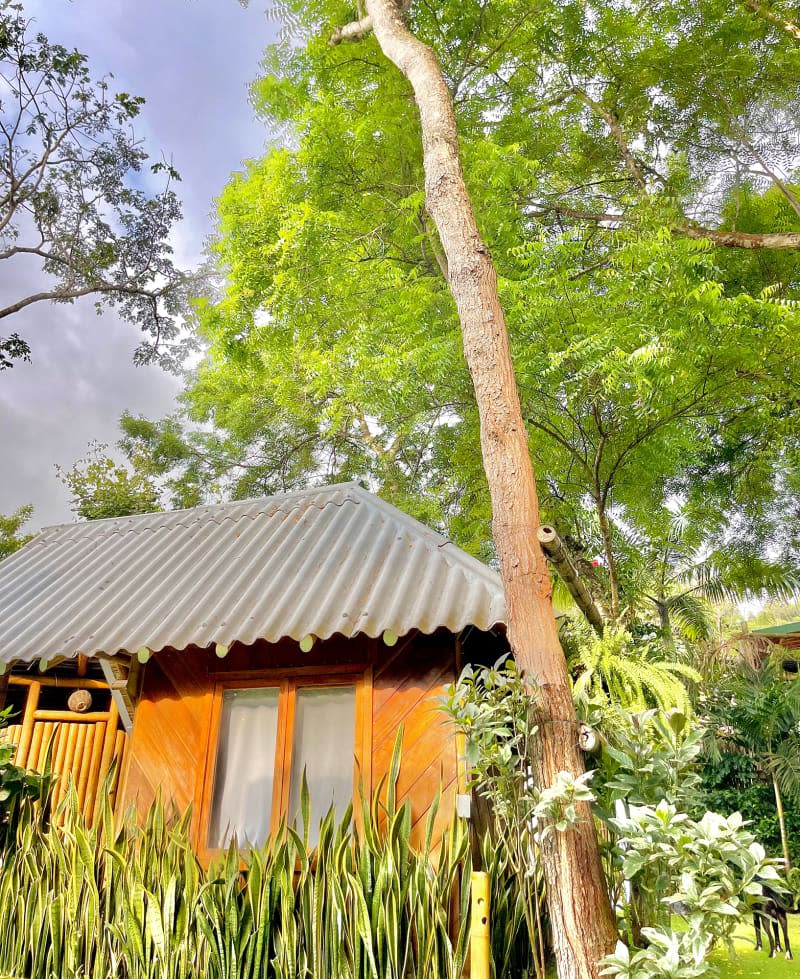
(109, 743)
(26, 733)
(71, 734)
(36, 746)
(94, 770)
(479, 946)
(57, 681)
(59, 746)
(77, 759)
(86, 762)
(72, 716)
(59, 754)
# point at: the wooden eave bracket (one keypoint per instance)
(123, 676)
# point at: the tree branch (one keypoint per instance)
(785, 25)
(358, 29)
(769, 240)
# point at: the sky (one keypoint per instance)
(192, 60)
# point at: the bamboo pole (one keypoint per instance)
(36, 746)
(119, 754)
(479, 946)
(46, 746)
(58, 762)
(26, 733)
(558, 555)
(57, 681)
(109, 743)
(77, 759)
(72, 716)
(86, 761)
(69, 756)
(92, 787)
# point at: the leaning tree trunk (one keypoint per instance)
(580, 912)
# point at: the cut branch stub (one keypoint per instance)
(559, 557)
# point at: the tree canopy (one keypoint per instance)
(612, 162)
(76, 196)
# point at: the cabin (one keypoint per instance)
(220, 655)
(782, 639)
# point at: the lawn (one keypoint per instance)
(755, 964)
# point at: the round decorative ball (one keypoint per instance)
(79, 701)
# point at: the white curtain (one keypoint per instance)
(324, 741)
(245, 772)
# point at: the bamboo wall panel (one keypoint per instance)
(78, 749)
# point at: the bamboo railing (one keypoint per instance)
(80, 748)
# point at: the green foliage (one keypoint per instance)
(616, 669)
(756, 711)
(660, 862)
(708, 871)
(19, 789)
(10, 537)
(75, 195)
(650, 364)
(650, 757)
(134, 901)
(102, 488)
(495, 712)
(733, 782)
(13, 348)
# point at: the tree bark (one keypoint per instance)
(582, 920)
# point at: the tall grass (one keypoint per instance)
(133, 901)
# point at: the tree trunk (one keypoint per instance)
(582, 920)
(611, 561)
(666, 625)
(782, 824)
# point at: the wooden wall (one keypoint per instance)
(172, 738)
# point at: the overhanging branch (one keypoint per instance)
(769, 240)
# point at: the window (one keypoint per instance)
(265, 738)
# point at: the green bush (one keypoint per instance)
(732, 783)
(133, 902)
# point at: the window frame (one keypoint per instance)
(287, 684)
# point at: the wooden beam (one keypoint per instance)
(558, 555)
(17, 680)
(70, 716)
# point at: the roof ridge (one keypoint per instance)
(311, 490)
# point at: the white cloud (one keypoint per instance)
(193, 61)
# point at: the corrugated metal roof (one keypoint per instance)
(787, 629)
(322, 561)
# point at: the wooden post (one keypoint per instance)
(479, 943)
(26, 734)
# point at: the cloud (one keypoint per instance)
(192, 60)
